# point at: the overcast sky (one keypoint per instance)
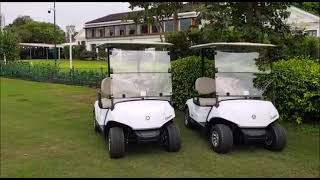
(76, 13)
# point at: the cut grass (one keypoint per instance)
(64, 64)
(47, 131)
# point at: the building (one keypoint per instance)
(304, 20)
(2, 23)
(80, 37)
(112, 27)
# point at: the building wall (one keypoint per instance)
(298, 18)
(92, 39)
(304, 21)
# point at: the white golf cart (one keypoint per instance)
(134, 103)
(230, 108)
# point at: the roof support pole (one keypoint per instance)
(59, 53)
(30, 54)
(202, 62)
(108, 59)
(47, 52)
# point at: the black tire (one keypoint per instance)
(116, 142)
(187, 121)
(95, 124)
(221, 138)
(276, 137)
(171, 138)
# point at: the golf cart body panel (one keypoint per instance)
(245, 113)
(134, 114)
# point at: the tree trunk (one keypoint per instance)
(175, 21)
(161, 31)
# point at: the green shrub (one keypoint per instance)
(185, 72)
(9, 46)
(51, 73)
(181, 45)
(310, 47)
(296, 88)
(88, 55)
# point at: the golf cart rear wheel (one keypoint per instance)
(276, 138)
(187, 122)
(221, 138)
(95, 124)
(116, 142)
(171, 137)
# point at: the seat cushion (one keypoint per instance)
(205, 85)
(207, 101)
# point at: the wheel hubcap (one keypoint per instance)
(268, 139)
(186, 117)
(109, 139)
(215, 139)
(164, 137)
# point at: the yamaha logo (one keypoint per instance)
(253, 116)
(147, 117)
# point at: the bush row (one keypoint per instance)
(185, 72)
(51, 73)
(296, 88)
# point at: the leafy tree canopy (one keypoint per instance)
(311, 7)
(30, 31)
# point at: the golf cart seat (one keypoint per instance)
(205, 87)
(105, 93)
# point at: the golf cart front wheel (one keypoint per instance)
(171, 137)
(221, 138)
(187, 122)
(276, 138)
(95, 124)
(116, 142)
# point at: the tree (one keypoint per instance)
(311, 7)
(255, 19)
(154, 13)
(21, 20)
(32, 31)
(8, 46)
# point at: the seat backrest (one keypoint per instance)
(205, 85)
(106, 87)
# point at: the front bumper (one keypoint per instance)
(253, 134)
(147, 135)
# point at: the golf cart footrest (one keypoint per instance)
(147, 135)
(254, 134)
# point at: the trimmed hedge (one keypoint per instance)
(296, 88)
(51, 73)
(185, 72)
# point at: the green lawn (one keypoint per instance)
(46, 131)
(77, 64)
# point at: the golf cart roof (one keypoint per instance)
(134, 43)
(209, 45)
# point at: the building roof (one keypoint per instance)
(208, 45)
(41, 45)
(119, 16)
(134, 43)
(110, 17)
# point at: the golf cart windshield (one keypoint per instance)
(140, 73)
(237, 68)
